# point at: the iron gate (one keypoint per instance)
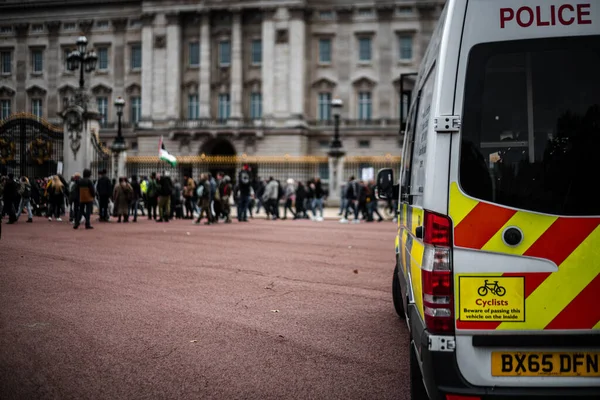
(30, 146)
(101, 157)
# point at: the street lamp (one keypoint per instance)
(119, 143)
(80, 59)
(335, 148)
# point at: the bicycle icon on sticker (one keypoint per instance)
(493, 288)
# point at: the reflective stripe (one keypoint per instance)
(566, 299)
(561, 287)
(460, 205)
(532, 225)
(582, 312)
(415, 249)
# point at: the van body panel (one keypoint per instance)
(547, 282)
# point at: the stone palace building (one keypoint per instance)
(221, 77)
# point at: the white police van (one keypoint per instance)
(498, 247)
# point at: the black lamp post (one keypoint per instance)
(119, 143)
(80, 59)
(335, 148)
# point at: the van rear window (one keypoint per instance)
(531, 125)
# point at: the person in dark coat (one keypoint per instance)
(300, 201)
(137, 195)
(86, 194)
(104, 188)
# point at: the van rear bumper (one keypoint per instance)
(442, 377)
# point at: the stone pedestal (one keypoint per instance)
(120, 164)
(79, 125)
(336, 180)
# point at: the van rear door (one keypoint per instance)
(524, 195)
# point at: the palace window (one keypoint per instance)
(324, 107)
(224, 53)
(136, 56)
(193, 107)
(194, 54)
(37, 60)
(364, 106)
(324, 51)
(6, 62)
(136, 109)
(224, 110)
(256, 49)
(5, 108)
(36, 107)
(364, 49)
(255, 105)
(405, 47)
(102, 58)
(102, 103)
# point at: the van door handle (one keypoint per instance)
(419, 232)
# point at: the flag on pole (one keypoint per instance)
(164, 155)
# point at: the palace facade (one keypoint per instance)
(221, 77)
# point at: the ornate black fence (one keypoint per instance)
(101, 157)
(30, 146)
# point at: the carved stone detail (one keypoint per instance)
(74, 125)
(160, 41)
(86, 25)
(281, 36)
(147, 19)
(22, 29)
(119, 24)
(5, 91)
(385, 13)
(173, 18)
(53, 27)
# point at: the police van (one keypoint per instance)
(498, 247)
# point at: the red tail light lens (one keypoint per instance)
(438, 229)
(436, 274)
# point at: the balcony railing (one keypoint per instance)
(215, 123)
(250, 123)
(112, 125)
(357, 123)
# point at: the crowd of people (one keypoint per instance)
(162, 198)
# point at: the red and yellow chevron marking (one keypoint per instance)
(563, 300)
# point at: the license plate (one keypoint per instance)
(585, 364)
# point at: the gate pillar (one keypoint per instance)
(79, 125)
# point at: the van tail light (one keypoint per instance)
(436, 274)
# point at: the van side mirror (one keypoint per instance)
(386, 189)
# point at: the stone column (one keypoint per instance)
(204, 87)
(236, 67)
(383, 94)
(121, 164)
(336, 179)
(118, 53)
(344, 53)
(21, 70)
(160, 74)
(147, 70)
(52, 67)
(268, 62)
(174, 67)
(297, 77)
(79, 126)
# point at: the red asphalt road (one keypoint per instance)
(177, 311)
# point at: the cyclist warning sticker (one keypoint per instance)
(491, 298)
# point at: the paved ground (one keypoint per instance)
(261, 310)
